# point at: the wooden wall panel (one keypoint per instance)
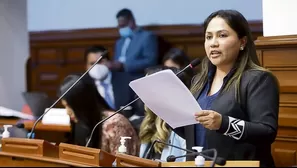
(279, 54)
(288, 98)
(285, 77)
(285, 152)
(273, 59)
(56, 54)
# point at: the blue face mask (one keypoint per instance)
(125, 31)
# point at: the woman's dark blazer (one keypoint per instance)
(249, 126)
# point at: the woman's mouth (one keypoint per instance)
(215, 54)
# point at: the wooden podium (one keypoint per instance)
(124, 160)
(20, 152)
(133, 161)
(239, 163)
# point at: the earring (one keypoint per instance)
(241, 48)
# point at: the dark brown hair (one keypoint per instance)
(247, 58)
(86, 103)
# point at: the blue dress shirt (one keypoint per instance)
(205, 103)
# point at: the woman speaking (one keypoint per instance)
(239, 98)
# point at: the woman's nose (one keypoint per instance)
(214, 42)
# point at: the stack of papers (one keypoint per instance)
(167, 96)
(6, 112)
(56, 116)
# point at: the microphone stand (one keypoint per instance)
(191, 65)
(214, 158)
(190, 154)
(56, 102)
(87, 144)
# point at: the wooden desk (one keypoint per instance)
(124, 160)
(36, 152)
(48, 132)
(8, 121)
(18, 160)
(47, 127)
(51, 133)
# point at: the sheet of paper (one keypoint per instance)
(56, 116)
(166, 95)
(6, 112)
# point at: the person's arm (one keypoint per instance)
(262, 103)
(138, 106)
(117, 50)
(149, 55)
(138, 114)
(114, 64)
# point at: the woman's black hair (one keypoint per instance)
(184, 77)
(86, 103)
(177, 56)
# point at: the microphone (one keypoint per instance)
(19, 125)
(217, 160)
(56, 102)
(205, 153)
(148, 154)
(193, 64)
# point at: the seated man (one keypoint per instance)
(112, 86)
(136, 50)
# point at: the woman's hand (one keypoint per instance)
(209, 119)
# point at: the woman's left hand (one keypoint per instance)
(209, 119)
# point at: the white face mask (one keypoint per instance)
(99, 72)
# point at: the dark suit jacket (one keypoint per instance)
(249, 127)
(123, 94)
(141, 53)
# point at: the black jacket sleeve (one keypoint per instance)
(262, 108)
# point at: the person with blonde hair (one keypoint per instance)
(154, 128)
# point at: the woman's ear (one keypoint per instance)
(243, 42)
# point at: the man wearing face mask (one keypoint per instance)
(112, 86)
(136, 50)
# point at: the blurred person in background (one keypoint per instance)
(176, 57)
(154, 128)
(87, 107)
(136, 49)
(112, 86)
